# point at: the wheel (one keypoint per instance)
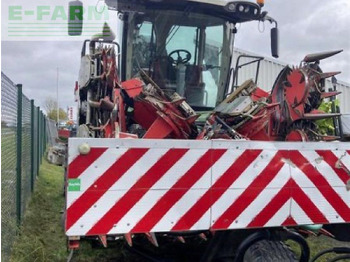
(270, 251)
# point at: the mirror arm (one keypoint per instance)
(270, 19)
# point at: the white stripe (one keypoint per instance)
(177, 211)
(73, 152)
(201, 224)
(191, 197)
(280, 216)
(344, 194)
(143, 206)
(263, 199)
(95, 171)
(313, 194)
(299, 215)
(107, 201)
(344, 157)
(323, 168)
(179, 169)
(150, 158)
(243, 181)
(224, 202)
(227, 160)
(93, 215)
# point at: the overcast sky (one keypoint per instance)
(306, 26)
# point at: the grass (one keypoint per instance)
(8, 190)
(42, 237)
(318, 244)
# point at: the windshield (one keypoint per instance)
(187, 53)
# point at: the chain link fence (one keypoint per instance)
(24, 139)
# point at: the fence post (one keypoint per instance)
(38, 140)
(19, 155)
(42, 135)
(32, 145)
(45, 133)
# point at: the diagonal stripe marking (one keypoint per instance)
(82, 162)
(92, 194)
(309, 207)
(94, 171)
(273, 206)
(321, 183)
(137, 191)
(174, 194)
(247, 197)
(117, 190)
(151, 197)
(332, 160)
(211, 196)
(290, 190)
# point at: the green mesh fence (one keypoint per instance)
(26, 153)
(24, 139)
(8, 165)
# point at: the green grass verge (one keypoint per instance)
(42, 238)
(318, 244)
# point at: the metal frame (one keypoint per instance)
(257, 59)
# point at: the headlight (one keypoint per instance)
(244, 9)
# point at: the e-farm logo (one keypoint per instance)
(52, 21)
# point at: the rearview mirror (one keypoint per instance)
(274, 42)
(75, 18)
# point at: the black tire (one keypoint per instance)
(270, 251)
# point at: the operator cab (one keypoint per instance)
(185, 46)
(187, 53)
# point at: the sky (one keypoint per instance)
(305, 26)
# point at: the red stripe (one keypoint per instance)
(178, 190)
(290, 190)
(92, 194)
(273, 207)
(82, 162)
(322, 184)
(331, 160)
(217, 190)
(307, 205)
(248, 196)
(136, 192)
(289, 222)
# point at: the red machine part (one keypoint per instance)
(297, 135)
(157, 113)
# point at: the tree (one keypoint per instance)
(50, 107)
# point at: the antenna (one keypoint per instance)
(58, 108)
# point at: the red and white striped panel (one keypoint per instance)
(136, 186)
